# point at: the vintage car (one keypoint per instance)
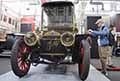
(56, 42)
(6, 41)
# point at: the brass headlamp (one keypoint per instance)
(67, 39)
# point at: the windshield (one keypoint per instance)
(57, 16)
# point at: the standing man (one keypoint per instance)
(111, 45)
(103, 43)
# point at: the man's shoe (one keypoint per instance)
(111, 66)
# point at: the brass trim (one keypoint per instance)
(52, 33)
(70, 33)
(34, 42)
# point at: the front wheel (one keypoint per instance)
(19, 58)
(84, 65)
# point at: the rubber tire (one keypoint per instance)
(85, 61)
(14, 64)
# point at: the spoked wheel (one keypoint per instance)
(19, 59)
(84, 66)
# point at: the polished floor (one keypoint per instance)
(112, 75)
(39, 73)
(4, 65)
(5, 69)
